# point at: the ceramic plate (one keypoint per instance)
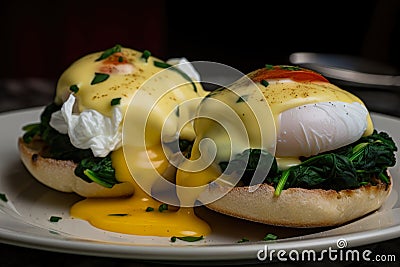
(24, 218)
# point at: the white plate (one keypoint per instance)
(24, 218)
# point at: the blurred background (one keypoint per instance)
(40, 39)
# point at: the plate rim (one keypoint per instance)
(173, 252)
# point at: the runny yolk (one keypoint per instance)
(130, 215)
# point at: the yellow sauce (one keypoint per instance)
(234, 119)
(281, 96)
(131, 215)
(243, 129)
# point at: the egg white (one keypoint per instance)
(314, 128)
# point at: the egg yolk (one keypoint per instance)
(139, 214)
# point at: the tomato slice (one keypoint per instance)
(287, 72)
(116, 63)
(115, 59)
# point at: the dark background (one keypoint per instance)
(41, 38)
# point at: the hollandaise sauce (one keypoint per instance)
(119, 74)
(139, 214)
(279, 89)
(289, 88)
(314, 88)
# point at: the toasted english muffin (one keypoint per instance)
(59, 174)
(299, 207)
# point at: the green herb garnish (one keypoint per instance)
(3, 197)
(184, 75)
(118, 214)
(115, 101)
(109, 52)
(270, 237)
(148, 209)
(99, 77)
(163, 65)
(293, 68)
(243, 240)
(146, 54)
(187, 238)
(269, 67)
(265, 83)
(242, 98)
(163, 207)
(54, 218)
(74, 88)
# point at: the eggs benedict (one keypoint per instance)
(77, 146)
(280, 146)
(327, 165)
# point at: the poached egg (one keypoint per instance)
(95, 93)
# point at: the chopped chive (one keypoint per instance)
(265, 83)
(269, 67)
(118, 214)
(148, 209)
(146, 54)
(54, 218)
(115, 101)
(74, 88)
(109, 52)
(242, 98)
(163, 65)
(187, 238)
(163, 207)
(184, 75)
(282, 182)
(270, 237)
(3, 197)
(284, 67)
(99, 77)
(177, 111)
(243, 240)
(120, 59)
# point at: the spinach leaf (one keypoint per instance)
(185, 146)
(97, 169)
(357, 164)
(349, 167)
(247, 163)
(327, 171)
